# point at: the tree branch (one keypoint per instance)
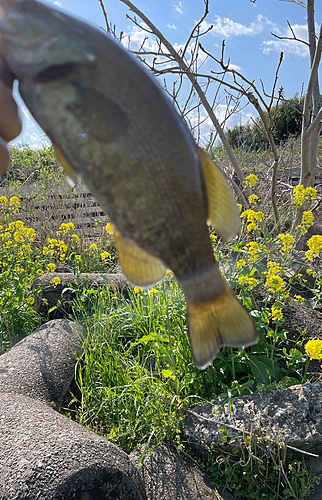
(196, 85)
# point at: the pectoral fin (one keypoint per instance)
(223, 212)
(140, 268)
(72, 176)
(217, 323)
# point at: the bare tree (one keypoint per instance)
(312, 112)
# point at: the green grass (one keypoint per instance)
(137, 377)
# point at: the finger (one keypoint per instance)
(10, 120)
(4, 156)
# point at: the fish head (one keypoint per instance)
(41, 43)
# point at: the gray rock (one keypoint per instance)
(49, 296)
(290, 415)
(172, 475)
(46, 456)
(42, 365)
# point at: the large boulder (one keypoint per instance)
(57, 300)
(169, 474)
(292, 416)
(44, 455)
(42, 365)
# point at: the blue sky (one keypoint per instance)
(245, 26)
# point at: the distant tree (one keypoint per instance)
(287, 120)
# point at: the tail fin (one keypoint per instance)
(216, 323)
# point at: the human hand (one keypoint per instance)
(10, 120)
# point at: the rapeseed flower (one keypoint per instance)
(313, 349)
(287, 241)
(302, 194)
(253, 249)
(30, 301)
(105, 255)
(299, 298)
(75, 238)
(109, 228)
(274, 282)
(51, 267)
(253, 218)
(137, 289)
(93, 247)
(315, 245)
(251, 180)
(78, 258)
(307, 221)
(246, 280)
(241, 263)
(276, 313)
(56, 281)
(14, 202)
(253, 199)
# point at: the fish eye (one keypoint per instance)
(56, 72)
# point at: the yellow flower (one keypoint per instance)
(64, 228)
(153, 290)
(137, 289)
(56, 281)
(93, 247)
(246, 280)
(310, 272)
(287, 241)
(45, 250)
(18, 237)
(240, 207)
(253, 218)
(30, 301)
(14, 202)
(40, 272)
(75, 238)
(105, 255)
(276, 313)
(299, 298)
(241, 263)
(63, 257)
(274, 283)
(251, 180)
(253, 199)
(302, 194)
(213, 238)
(314, 349)
(51, 267)
(20, 225)
(315, 245)
(3, 200)
(78, 258)
(109, 228)
(253, 249)
(169, 274)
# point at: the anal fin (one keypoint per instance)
(140, 268)
(223, 212)
(217, 323)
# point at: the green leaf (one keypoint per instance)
(167, 373)
(264, 369)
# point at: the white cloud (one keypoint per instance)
(288, 46)
(226, 27)
(234, 66)
(178, 8)
(57, 3)
(173, 27)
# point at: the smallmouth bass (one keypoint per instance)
(111, 123)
